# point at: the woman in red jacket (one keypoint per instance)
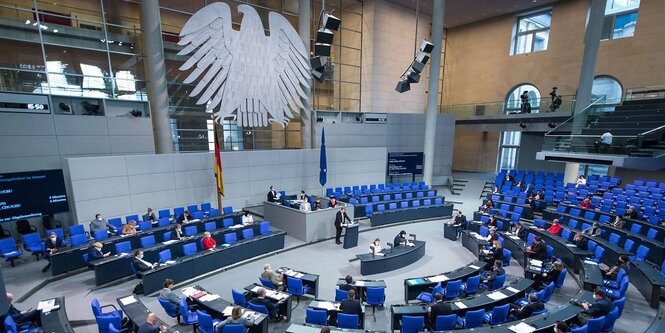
(208, 242)
(555, 228)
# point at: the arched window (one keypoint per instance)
(513, 102)
(608, 88)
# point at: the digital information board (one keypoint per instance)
(32, 194)
(400, 164)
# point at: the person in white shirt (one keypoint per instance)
(302, 196)
(375, 248)
(580, 181)
(247, 218)
(605, 141)
(305, 206)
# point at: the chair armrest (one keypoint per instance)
(109, 305)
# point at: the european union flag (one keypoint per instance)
(323, 164)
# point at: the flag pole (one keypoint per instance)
(219, 196)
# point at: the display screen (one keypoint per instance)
(32, 194)
(405, 164)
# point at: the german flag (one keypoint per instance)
(218, 167)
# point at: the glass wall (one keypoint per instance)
(192, 127)
(620, 18)
(532, 33)
(509, 148)
(72, 47)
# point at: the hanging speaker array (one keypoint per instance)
(412, 74)
(323, 46)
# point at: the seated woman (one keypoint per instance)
(610, 273)
(375, 248)
(544, 279)
(487, 206)
(618, 222)
(555, 228)
(332, 203)
(208, 242)
(493, 254)
(236, 318)
(493, 235)
(492, 222)
(247, 218)
(129, 228)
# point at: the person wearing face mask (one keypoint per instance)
(594, 231)
(149, 216)
(600, 307)
(139, 264)
(52, 245)
(100, 224)
(272, 195)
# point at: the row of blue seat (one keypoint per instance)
(394, 196)
(370, 208)
(375, 188)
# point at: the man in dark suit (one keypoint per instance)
(25, 316)
(184, 217)
(272, 307)
(601, 307)
(52, 245)
(439, 308)
(348, 285)
(351, 305)
(340, 218)
(538, 250)
(496, 271)
(460, 223)
(151, 326)
(139, 264)
(272, 195)
(522, 312)
(519, 231)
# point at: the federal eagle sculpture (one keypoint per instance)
(263, 79)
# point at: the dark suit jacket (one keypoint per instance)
(49, 244)
(147, 328)
(397, 241)
(439, 309)
(140, 266)
(14, 313)
(552, 276)
(600, 308)
(521, 233)
(271, 196)
(528, 309)
(272, 307)
(340, 218)
(347, 287)
(540, 251)
(497, 254)
(351, 306)
(182, 218)
(94, 254)
(461, 221)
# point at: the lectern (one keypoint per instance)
(351, 236)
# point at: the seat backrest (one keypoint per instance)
(258, 307)
(76, 230)
(472, 284)
(266, 283)
(445, 323)
(165, 255)
(610, 319)
(561, 278)
(147, 240)
(500, 314)
(190, 230)
(58, 231)
(247, 233)
(230, 238)
(143, 226)
(31, 239)
(193, 208)
(652, 233)
(100, 235)
(227, 222)
(596, 324)
(316, 317)
(205, 322)
(375, 295)
(474, 318)
(169, 307)
(238, 298)
(453, 288)
(227, 210)
(164, 213)
(294, 285)
(78, 239)
(413, 324)
(210, 226)
(614, 238)
(341, 295)
(188, 249)
(620, 303)
(549, 290)
(134, 218)
(123, 247)
(347, 321)
(163, 221)
(264, 227)
(565, 234)
(641, 253)
(507, 255)
(628, 245)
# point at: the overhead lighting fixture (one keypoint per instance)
(412, 74)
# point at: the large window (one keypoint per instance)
(509, 150)
(620, 18)
(514, 101)
(532, 32)
(608, 88)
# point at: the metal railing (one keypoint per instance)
(497, 108)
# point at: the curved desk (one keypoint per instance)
(220, 309)
(570, 254)
(414, 286)
(396, 258)
(56, 319)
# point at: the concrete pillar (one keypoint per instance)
(306, 116)
(155, 72)
(433, 90)
(592, 36)
(570, 175)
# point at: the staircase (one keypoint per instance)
(487, 189)
(458, 186)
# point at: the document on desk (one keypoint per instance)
(169, 242)
(536, 263)
(360, 283)
(236, 226)
(590, 262)
(128, 300)
(497, 295)
(570, 245)
(327, 305)
(477, 236)
(522, 328)
(460, 305)
(189, 291)
(47, 305)
(514, 237)
(227, 311)
(170, 262)
(209, 297)
(474, 266)
(512, 289)
(438, 278)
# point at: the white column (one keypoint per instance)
(570, 175)
(155, 71)
(306, 115)
(433, 89)
(592, 36)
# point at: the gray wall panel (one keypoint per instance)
(98, 188)
(149, 164)
(129, 126)
(131, 144)
(84, 145)
(28, 146)
(151, 183)
(72, 125)
(26, 124)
